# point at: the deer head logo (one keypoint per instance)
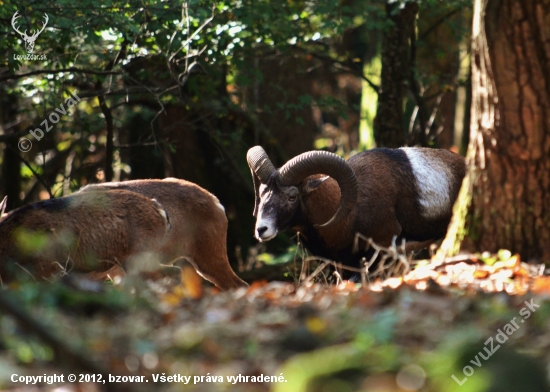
(29, 39)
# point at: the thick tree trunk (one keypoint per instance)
(389, 130)
(505, 199)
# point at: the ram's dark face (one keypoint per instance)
(278, 202)
(276, 211)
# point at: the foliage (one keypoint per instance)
(127, 52)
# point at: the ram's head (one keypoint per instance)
(279, 192)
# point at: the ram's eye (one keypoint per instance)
(292, 198)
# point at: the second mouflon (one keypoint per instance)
(381, 193)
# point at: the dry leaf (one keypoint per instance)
(192, 282)
(481, 274)
(541, 285)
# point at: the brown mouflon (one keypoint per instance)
(407, 193)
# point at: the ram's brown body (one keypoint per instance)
(382, 194)
(198, 223)
(387, 204)
(83, 232)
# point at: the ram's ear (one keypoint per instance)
(311, 185)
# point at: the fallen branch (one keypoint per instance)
(466, 258)
(399, 261)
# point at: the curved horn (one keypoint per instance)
(324, 162)
(262, 169)
(259, 163)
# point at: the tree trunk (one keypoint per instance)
(389, 130)
(505, 199)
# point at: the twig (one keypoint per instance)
(26, 271)
(187, 31)
(396, 254)
(160, 91)
(157, 96)
(454, 260)
(38, 176)
(332, 262)
(316, 272)
(439, 22)
(109, 145)
(108, 114)
(121, 146)
(341, 67)
(196, 32)
(431, 121)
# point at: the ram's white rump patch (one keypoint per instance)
(432, 179)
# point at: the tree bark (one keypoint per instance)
(389, 130)
(505, 199)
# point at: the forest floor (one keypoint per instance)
(469, 324)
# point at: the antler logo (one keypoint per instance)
(29, 39)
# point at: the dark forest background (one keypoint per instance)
(184, 89)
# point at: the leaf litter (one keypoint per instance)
(402, 332)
